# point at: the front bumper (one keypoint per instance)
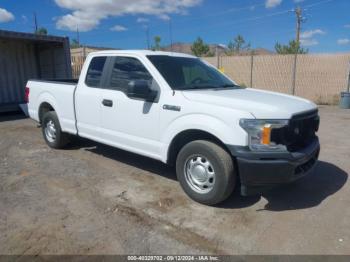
(262, 170)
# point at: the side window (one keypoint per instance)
(125, 70)
(94, 73)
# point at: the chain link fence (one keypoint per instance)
(318, 77)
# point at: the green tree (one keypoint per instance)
(74, 43)
(199, 48)
(41, 31)
(157, 40)
(238, 45)
(210, 54)
(292, 48)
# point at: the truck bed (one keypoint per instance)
(63, 81)
(59, 93)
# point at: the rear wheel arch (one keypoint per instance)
(52, 132)
(43, 109)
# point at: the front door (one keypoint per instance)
(127, 123)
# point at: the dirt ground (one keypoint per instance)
(94, 199)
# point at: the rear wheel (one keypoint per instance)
(206, 172)
(52, 131)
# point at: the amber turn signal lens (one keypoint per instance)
(266, 135)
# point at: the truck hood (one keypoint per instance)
(261, 104)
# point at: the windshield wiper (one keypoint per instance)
(229, 85)
(197, 87)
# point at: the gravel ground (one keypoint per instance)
(94, 199)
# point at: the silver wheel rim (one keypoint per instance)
(50, 131)
(199, 174)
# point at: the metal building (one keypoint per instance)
(26, 56)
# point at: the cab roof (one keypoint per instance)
(141, 52)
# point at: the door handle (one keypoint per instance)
(108, 103)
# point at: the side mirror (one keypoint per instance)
(140, 89)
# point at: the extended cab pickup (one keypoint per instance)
(182, 111)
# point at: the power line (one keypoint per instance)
(243, 21)
(190, 18)
(318, 3)
(231, 10)
(233, 23)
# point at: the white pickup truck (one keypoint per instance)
(182, 111)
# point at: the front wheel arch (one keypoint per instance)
(187, 136)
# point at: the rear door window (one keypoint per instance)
(95, 71)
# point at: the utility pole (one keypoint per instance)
(147, 36)
(171, 35)
(35, 23)
(78, 36)
(298, 13)
(251, 68)
(348, 90)
(299, 19)
(217, 56)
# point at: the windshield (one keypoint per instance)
(184, 73)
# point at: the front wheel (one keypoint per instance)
(206, 172)
(52, 131)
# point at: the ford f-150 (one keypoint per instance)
(182, 111)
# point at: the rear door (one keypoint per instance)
(88, 98)
(128, 123)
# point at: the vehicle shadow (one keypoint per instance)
(12, 116)
(125, 157)
(326, 180)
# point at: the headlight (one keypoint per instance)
(259, 133)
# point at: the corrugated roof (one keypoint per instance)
(30, 36)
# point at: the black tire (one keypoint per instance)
(222, 165)
(61, 139)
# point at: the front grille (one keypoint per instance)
(300, 132)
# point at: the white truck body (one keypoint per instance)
(149, 128)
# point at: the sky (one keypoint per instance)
(123, 23)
